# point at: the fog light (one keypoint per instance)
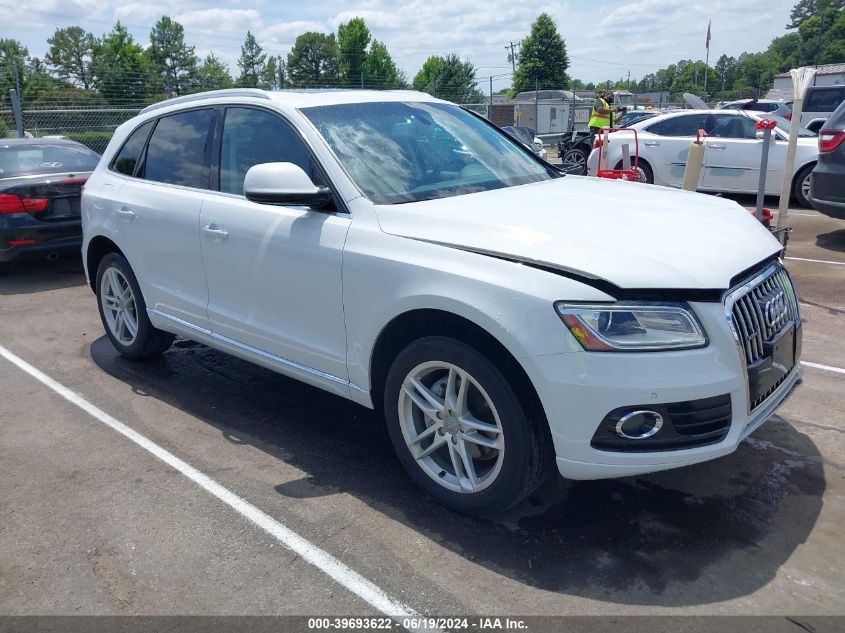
(640, 424)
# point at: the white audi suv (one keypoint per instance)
(402, 252)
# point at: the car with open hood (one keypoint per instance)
(508, 320)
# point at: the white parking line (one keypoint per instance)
(322, 560)
(836, 370)
(817, 261)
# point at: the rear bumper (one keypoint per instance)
(40, 238)
(827, 190)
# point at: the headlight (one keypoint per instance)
(628, 327)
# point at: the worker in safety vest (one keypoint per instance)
(602, 114)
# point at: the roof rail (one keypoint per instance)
(211, 94)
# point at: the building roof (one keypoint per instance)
(824, 69)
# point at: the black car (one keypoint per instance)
(40, 189)
(827, 185)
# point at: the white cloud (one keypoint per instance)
(220, 20)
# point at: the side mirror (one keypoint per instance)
(285, 184)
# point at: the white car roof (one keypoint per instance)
(295, 98)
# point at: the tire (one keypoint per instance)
(801, 186)
(646, 175)
(504, 474)
(126, 307)
(575, 157)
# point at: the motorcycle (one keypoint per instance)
(574, 150)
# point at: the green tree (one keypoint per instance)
(273, 77)
(312, 62)
(380, 71)
(726, 69)
(352, 41)
(173, 61)
(213, 74)
(70, 55)
(805, 9)
(448, 78)
(542, 58)
(121, 69)
(13, 55)
(251, 62)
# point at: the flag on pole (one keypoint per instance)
(707, 44)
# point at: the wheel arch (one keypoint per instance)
(98, 247)
(421, 322)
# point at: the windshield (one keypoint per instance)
(26, 159)
(784, 125)
(407, 152)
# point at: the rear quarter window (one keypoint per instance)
(129, 156)
(824, 99)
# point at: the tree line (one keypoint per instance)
(816, 36)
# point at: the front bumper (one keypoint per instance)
(578, 389)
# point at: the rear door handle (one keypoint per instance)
(716, 146)
(652, 143)
(125, 213)
(215, 232)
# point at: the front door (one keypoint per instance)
(273, 272)
(733, 155)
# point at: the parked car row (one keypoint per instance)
(819, 103)
(732, 153)
(827, 186)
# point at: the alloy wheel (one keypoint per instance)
(451, 427)
(119, 307)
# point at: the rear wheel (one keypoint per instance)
(124, 313)
(801, 186)
(576, 160)
(644, 173)
(459, 429)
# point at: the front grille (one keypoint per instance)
(749, 321)
(760, 311)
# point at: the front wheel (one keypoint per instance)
(124, 313)
(460, 430)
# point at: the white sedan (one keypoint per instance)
(731, 158)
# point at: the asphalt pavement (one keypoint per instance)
(96, 521)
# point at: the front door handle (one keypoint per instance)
(716, 146)
(126, 213)
(652, 143)
(215, 232)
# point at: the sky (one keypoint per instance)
(605, 41)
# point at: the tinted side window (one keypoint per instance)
(824, 100)
(129, 155)
(685, 125)
(728, 126)
(177, 152)
(252, 137)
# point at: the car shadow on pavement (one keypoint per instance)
(833, 241)
(696, 535)
(40, 275)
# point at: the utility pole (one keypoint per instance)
(362, 80)
(490, 112)
(536, 105)
(512, 55)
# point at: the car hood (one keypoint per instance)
(629, 234)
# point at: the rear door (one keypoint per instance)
(273, 272)
(156, 218)
(667, 150)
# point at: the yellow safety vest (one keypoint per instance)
(601, 120)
